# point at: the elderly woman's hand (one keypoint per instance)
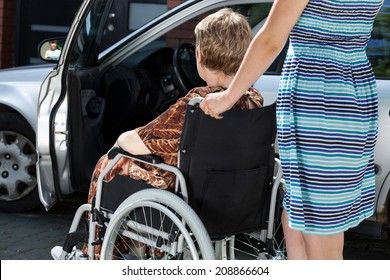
(121, 167)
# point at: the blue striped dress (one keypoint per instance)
(327, 116)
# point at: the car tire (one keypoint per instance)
(18, 177)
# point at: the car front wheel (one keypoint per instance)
(18, 179)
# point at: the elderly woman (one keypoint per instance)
(221, 42)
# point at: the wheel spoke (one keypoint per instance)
(162, 228)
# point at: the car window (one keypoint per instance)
(378, 47)
(126, 16)
(109, 21)
(85, 48)
(184, 33)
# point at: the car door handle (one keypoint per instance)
(62, 132)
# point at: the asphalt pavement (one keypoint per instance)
(30, 236)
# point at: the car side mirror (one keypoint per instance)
(50, 49)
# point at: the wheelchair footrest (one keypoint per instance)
(74, 238)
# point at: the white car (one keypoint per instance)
(121, 65)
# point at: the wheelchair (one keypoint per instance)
(226, 204)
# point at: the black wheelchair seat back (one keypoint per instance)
(229, 165)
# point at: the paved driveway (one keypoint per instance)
(31, 236)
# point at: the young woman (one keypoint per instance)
(327, 117)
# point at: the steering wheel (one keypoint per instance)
(185, 74)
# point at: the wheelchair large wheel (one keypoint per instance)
(254, 245)
(251, 246)
(158, 225)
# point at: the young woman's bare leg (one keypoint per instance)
(295, 244)
(313, 247)
(324, 247)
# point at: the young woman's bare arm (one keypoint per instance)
(263, 50)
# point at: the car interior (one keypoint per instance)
(145, 85)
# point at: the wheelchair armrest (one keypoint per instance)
(153, 159)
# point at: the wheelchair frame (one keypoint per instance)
(153, 198)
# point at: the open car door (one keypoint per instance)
(68, 99)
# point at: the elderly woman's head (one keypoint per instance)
(222, 39)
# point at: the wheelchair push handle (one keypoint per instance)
(195, 101)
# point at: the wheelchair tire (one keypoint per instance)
(158, 225)
(254, 246)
